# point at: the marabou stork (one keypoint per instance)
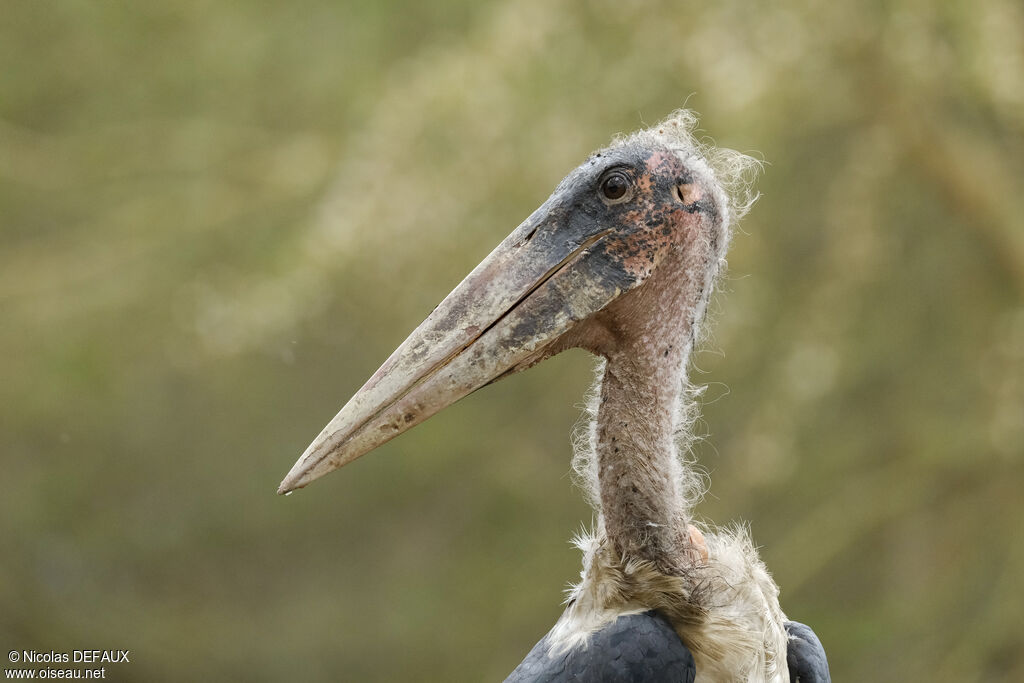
(619, 261)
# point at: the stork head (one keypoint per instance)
(610, 225)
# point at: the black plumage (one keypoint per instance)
(636, 648)
(644, 648)
(805, 655)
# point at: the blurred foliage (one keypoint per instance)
(219, 218)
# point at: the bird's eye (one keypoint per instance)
(615, 186)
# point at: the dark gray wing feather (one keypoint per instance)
(805, 655)
(638, 648)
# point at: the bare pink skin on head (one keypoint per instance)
(655, 226)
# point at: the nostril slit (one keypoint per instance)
(526, 238)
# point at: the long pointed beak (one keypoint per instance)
(529, 291)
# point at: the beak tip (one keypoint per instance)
(297, 478)
(306, 470)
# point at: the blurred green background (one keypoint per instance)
(218, 218)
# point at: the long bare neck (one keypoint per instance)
(644, 511)
(639, 474)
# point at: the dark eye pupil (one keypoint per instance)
(615, 186)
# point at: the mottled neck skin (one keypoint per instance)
(646, 338)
